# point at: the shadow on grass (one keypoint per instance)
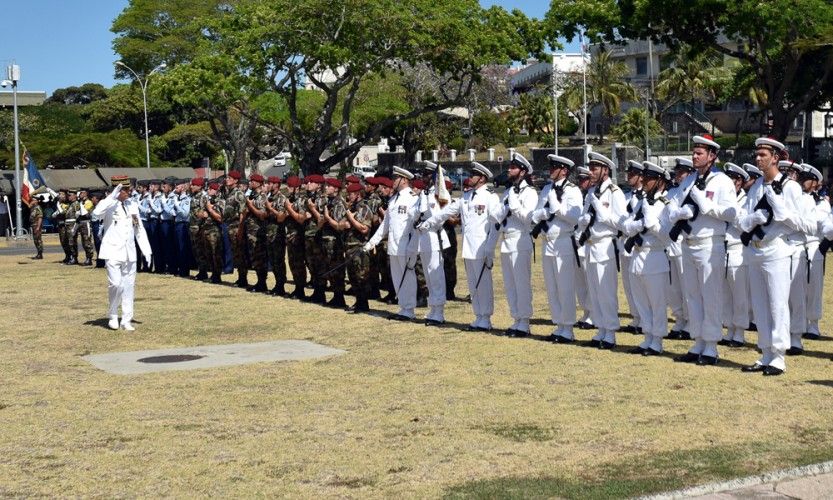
(826, 383)
(642, 475)
(103, 322)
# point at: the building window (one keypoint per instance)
(641, 66)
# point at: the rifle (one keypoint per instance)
(763, 204)
(685, 225)
(585, 235)
(544, 226)
(637, 240)
(516, 186)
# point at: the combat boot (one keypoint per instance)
(260, 286)
(202, 275)
(87, 262)
(361, 305)
(72, 261)
(215, 278)
(337, 301)
(317, 296)
(242, 280)
(39, 256)
(298, 293)
(278, 291)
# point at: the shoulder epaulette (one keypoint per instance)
(490, 189)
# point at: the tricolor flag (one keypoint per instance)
(32, 180)
(443, 196)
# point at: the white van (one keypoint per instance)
(364, 170)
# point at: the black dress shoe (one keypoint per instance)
(752, 327)
(606, 345)
(795, 351)
(628, 329)
(638, 331)
(757, 367)
(562, 340)
(434, 322)
(636, 350)
(594, 343)
(688, 357)
(704, 360)
(684, 335)
(399, 317)
(725, 342)
(735, 343)
(674, 334)
(810, 336)
(472, 328)
(519, 334)
(650, 352)
(771, 371)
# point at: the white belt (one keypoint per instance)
(592, 241)
(763, 244)
(692, 241)
(561, 236)
(735, 244)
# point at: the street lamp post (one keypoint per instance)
(144, 85)
(14, 76)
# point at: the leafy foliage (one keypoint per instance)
(631, 128)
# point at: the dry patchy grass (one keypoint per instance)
(407, 411)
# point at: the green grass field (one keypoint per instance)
(408, 411)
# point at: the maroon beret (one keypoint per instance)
(418, 184)
(198, 181)
(332, 181)
(318, 179)
(384, 181)
(234, 174)
(448, 184)
(214, 185)
(256, 178)
(353, 187)
(372, 181)
(274, 179)
(352, 179)
(293, 181)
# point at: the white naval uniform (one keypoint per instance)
(769, 268)
(816, 282)
(582, 292)
(513, 219)
(121, 231)
(704, 257)
(676, 301)
(808, 228)
(398, 226)
(632, 199)
(559, 260)
(474, 209)
(649, 267)
(600, 268)
(736, 284)
(430, 246)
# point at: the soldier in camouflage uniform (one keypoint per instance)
(235, 202)
(373, 201)
(83, 224)
(331, 211)
(296, 218)
(255, 220)
(195, 226)
(212, 231)
(59, 216)
(313, 253)
(36, 221)
(359, 218)
(276, 235)
(72, 211)
(385, 190)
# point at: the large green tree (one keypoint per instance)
(784, 44)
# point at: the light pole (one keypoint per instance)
(14, 76)
(144, 85)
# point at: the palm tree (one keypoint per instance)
(691, 79)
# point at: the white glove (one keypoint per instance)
(683, 213)
(489, 261)
(147, 259)
(367, 247)
(424, 227)
(650, 213)
(584, 221)
(759, 216)
(115, 193)
(539, 215)
(632, 227)
(702, 201)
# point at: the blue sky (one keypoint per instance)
(61, 43)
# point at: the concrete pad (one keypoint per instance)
(807, 488)
(752, 493)
(213, 356)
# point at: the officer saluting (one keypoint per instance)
(558, 210)
(604, 211)
(513, 219)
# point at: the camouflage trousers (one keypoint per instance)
(380, 261)
(295, 255)
(37, 235)
(256, 237)
(63, 236)
(212, 241)
(276, 250)
(450, 262)
(334, 256)
(358, 270)
(197, 247)
(238, 247)
(81, 228)
(314, 258)
(422, 285)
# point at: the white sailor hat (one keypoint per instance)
(583, 172)
(401, 172)
(668, 175)
(430, 166)
(787, 164)
(650, 169)
(635, 165)
(683, 163)
(733, 170)
(705, 140)
(519, 160)
(600, 158)
(560, 162)
(811, 171)
(480, 169)
(752, 170)
(764, 142)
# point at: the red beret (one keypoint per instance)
(214, 185)
(372, 181)
(198, 181)
(234, 174)
(318, 179)
(384, 181)
(448, 184)
(256, 178)
(293, 181)
(333, 182)
(274, 180)
(353, 187)
(352, 178)
(418, 184)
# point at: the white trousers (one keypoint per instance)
(517, 277)
(627, 277)
(798, 294)
(482, 295)
(406, 292)
(814, 289)
(703, 269)
(121, 279)
(736, 298)
(650, 300)
(432, 266)
(559, 278)
(603, 289)
(582, 293)
(769, 285)
(676, 302)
